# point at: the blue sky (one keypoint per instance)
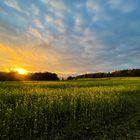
(70, 36)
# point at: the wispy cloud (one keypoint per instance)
(34, 32)
(98, 10)
(38, 23)
(13, 4)
(124, 6)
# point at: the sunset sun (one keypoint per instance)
(21, 71)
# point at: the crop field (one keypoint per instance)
(84, 109)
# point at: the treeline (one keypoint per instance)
(14, 76)
(119, 73)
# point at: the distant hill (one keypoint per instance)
(119, 73)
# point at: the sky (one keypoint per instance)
(69, 36)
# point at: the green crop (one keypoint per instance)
(83, 109)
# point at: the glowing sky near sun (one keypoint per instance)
(69, 36)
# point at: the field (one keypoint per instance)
(84, 109)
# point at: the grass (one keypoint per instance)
(83, 109)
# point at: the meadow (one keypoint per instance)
(82, 109)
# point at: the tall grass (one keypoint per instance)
(71, 110)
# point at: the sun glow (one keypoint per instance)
(21, 71)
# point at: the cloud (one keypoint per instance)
(35, 9)
(93, 5)
(34, 32)
(57, 23)
(57, 8)
(33, 58)
(49, 18)
(79, 21)
(13, 4)
(56, 5)
(39, 24)
(77, 51)
(70, 36)
(122, 5)
(97, 9)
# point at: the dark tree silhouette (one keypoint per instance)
(46, 76)
(70, 78)
(14, 76)
(119, 73)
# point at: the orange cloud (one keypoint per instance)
(32, 59)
